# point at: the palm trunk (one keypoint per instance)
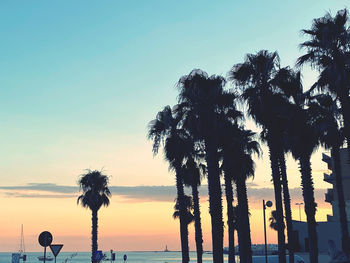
(94, 234)
(310, 205)
(341, 201)
(244, 239)
(230, 217)
(197, 223)
(287, 207)
(345, 109)
(182, 217)
(215, 201)
(278, 199)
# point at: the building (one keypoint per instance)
(330, 229)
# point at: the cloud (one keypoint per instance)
(47, 190)
(164, 193)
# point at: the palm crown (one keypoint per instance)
(95, 190)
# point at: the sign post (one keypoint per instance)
(56, 248)
(45, 240)
(125, 258)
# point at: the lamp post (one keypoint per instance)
(299, 204)
(267, 204)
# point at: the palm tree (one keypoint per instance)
(95, 194)
(273, 221)
(324, 112)
(302, 140)
(201, 98)
(244, 169)
(289, 84)
(189, 218)
(192, 178)
(177, 144)
(230, 213)
(237, 146)
(255, 78)
(328, 50)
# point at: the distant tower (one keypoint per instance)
(166, 248)
(332, 195)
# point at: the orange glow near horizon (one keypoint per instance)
(123, 226)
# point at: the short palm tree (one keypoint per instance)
(237, 147)
(189, 218)
(95, 194)
(177, 145)
(192, 178)
(255, 77)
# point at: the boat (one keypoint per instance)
(16, 257)
(42, 258)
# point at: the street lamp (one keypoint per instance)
(267, 204)
(299, 204)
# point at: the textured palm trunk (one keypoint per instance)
(197, 223)
(287, 207)
(310, 205)
(215, 201)
(182, 217)
(244, 239)
(341, 201)
(94, 234)
(345, 108)
(278, 198)
(230, 217)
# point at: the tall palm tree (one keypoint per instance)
(255, 78)
(289, 85)
(177, 144)
(201, 98)
(328, 50)
(302, 140)
(192, 178)
(95, 194)
(324, 113)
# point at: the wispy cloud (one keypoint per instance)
(140, 193)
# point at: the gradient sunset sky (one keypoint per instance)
(79, 82)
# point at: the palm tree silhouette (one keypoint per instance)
(328, 50)
(192, 178)
(189, 218)
(302, 139)
(237, 147)
(177, 145)
(324, 111)
(201, 98)
(95, 194)
(255, 78)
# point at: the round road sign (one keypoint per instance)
(45, 239)
(125, 257)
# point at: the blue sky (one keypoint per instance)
(80, 80)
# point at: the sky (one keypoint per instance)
(79, 82)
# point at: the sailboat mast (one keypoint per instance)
(22, 248)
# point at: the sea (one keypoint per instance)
(132, 257)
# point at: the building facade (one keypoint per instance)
(330, 229)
